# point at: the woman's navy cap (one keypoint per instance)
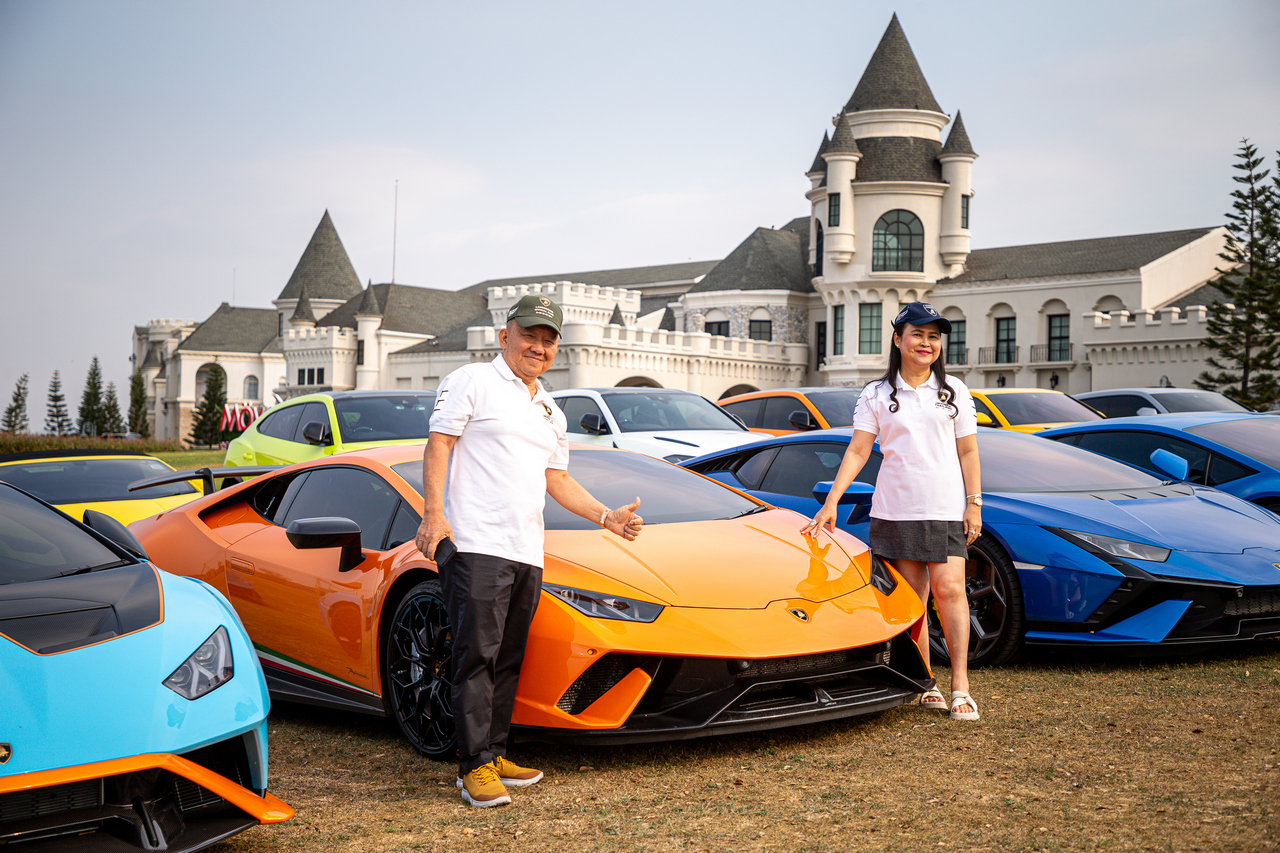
(920, 314)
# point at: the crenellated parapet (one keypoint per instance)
(581, 303)
(1145, 347)
(319, 337)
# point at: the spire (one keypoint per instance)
(324, 267)
(369, 303)
(958, 140)
(616, 319)
(842, 142)
(302, 314)
(820, 165)
(893, 79)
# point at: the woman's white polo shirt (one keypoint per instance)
(496, 489)
(920, 478)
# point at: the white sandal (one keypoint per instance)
(958, 698)
(932, 700)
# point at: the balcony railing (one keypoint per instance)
(999, 354)
(1056, 351)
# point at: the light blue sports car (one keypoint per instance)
(1077, 549)
(132, 706)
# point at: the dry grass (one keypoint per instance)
(1163, 754)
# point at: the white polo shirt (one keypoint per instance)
(920, 478)
(497, 483)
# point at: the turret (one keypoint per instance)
(368, 344)
(957, 170)
(842, 157)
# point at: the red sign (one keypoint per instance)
(236, 417)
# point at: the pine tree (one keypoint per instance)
(1244, 341)
(56, 419)
(91, 420)
(138, 404)
(112, 422)
(15, 415)
(206, 428)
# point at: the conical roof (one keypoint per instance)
(819, 164)
(892, 80)
(616, 319)
(958, 140)
(369, 304)
(842, 142)
(303, 313)
(324, 267)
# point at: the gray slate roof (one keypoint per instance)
(453, 339)
(630, 277)
(819, 162)
(1073, 257)
(236, 330)
(303, 313)
(324, 267)
(899, 158)
(1205, 294)
(767, 260)
(417, 310)
(893, 79)
(958, 139)
(369, 306)
(842, 141)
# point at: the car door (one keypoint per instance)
(307, 618)
(574, 407)
(1135, 448)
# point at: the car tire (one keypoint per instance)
(417, 662)
(997, 620)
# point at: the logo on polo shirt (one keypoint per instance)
(547, 413)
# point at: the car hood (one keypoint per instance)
(690, 564)
(1176, 516)
(692, 442)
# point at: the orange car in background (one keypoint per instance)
(781, 411)
(721, 617)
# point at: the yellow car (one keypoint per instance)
(1029, 409)
(77, 480)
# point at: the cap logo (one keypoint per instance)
(544, 301)
(926, 306)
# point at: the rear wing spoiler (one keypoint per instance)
(205, 475)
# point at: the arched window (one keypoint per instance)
(760, 326)
(202, 379)
(717, 323)
(897, 243)
(251, 388)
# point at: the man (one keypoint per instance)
(497, 447)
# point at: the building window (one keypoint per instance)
(319, 375)
(837, 331)
(869, 329)
(833, 210)
(956, 353)
(311, 376)
(964, 211)
(251, 387)
(1006, 340)
(818, 249)
(280, 325)
(1059, 337)
(359, 352)
(718, 327)
(820, 342)
(760, 330)
(302, 376)
(897, 243)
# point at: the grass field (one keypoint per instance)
(182, 459)
(1096, 755)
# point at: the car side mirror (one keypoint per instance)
(594, 424)
(985, 420)
(1147, 410)
(111, 528)
(803, 419)
(317, 433)
(1170, 464)
(307, 533)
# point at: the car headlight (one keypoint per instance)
(603, 606)
(208, 667)
(1121, 548)
(881, 578)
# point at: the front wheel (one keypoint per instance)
(417, 671)
(997, 622)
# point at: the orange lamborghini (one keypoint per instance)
(721, 617)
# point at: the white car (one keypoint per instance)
(671, 425)
(1127, 402)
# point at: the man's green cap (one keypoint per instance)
(536, 311)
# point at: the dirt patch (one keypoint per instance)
(1158, 754)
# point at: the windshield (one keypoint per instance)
(90, 479)
(37, 543)
(836, 406)
(667, 493)
(1257, 437)
(1048, 407)
(1013, 462)
(1197, 401)
(384, 418)
(650, 411)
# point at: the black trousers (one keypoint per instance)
(491, 601)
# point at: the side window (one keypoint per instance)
(314, 411)
(750, 471)
(799, 466)
(748, 410)
(983, 409)
(1120, 405)
(777, 412)
(1224, 470)
(281, 424)
(1136, 448)
(404, 527)
(574, 408)
(347, 493)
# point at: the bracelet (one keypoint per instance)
(966, 497)
(603, 516)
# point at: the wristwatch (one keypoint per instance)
(976, 500)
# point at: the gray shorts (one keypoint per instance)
(924, 541)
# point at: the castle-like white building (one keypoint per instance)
(807, 304)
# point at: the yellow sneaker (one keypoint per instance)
(514, 775)
(482, 789)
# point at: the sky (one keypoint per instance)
(160, 158)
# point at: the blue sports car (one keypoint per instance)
(1076, 549)
(132, 706)
(1237, 453)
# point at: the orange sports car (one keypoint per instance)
(721, 617)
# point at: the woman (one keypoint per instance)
(927, 507)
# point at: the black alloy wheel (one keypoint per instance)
(417, 671)
(997, 621)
